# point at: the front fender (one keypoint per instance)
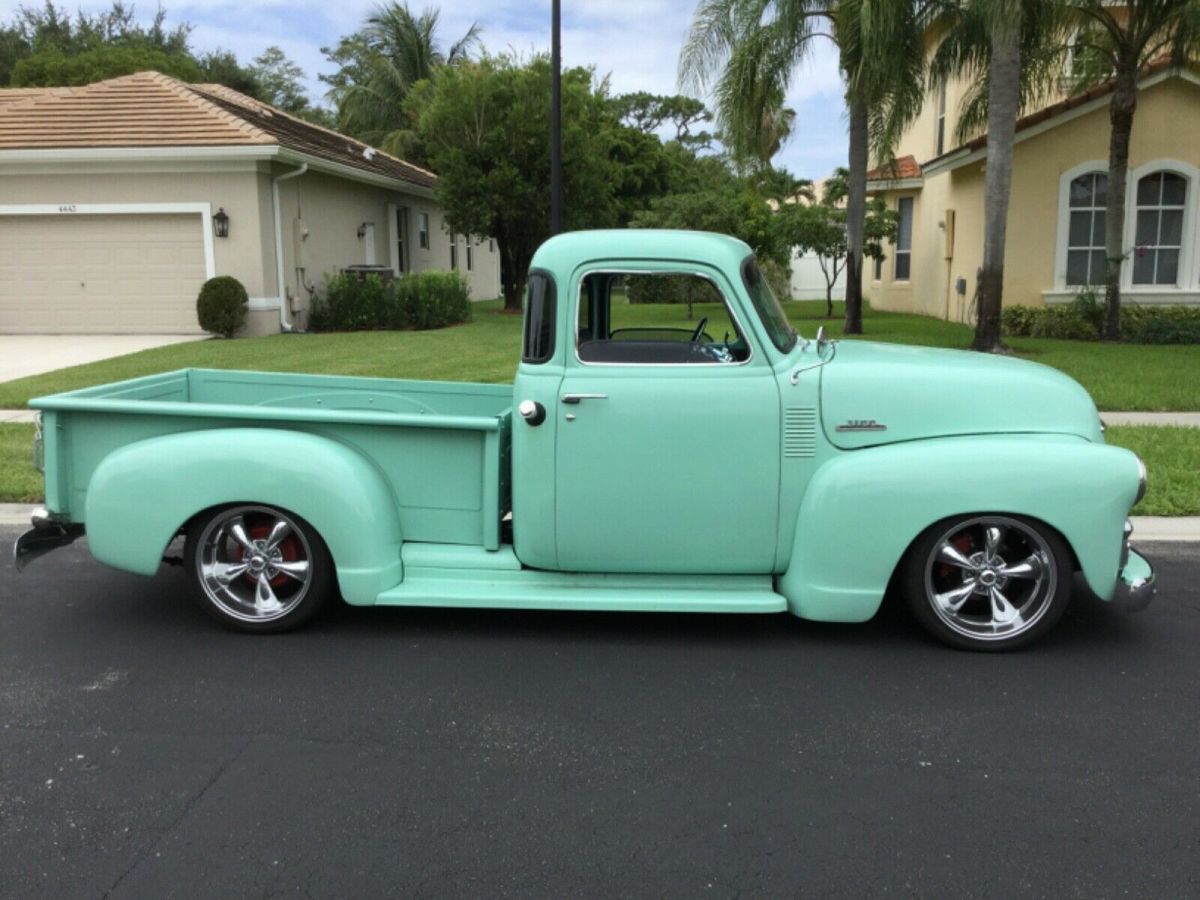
(140, 495)
(863, 508)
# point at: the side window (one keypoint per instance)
(538, 343)
(660, 318)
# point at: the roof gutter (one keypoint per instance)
(284, 323)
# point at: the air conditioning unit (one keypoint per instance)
(362, 271)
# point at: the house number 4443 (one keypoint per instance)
(67, 208)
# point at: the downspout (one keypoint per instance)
(283, 300)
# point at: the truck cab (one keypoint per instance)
(651, 449)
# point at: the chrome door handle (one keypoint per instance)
(575, 398)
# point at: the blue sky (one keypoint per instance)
(635, 42)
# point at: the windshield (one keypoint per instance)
(770, 313)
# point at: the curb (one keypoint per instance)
(1146, 529)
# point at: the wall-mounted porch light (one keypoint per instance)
(221, 223)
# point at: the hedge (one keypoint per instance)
(421, 300)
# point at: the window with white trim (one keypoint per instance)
(423, 231)
(453, 251)
(470, 256)
(903, 256)
(1158, 229)
(1087, 197)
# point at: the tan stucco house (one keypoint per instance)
(1055, 241)
(118, 199)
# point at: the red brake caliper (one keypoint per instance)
(289, 547)
(963, 543)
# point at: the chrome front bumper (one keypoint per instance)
(47, 533)
(1135, 580)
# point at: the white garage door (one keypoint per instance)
(100, 274)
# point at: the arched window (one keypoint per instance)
(1087, 197)
(1158, 231)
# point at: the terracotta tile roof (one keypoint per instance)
(902, 167)
(148, 109)
(313, 140)
(14, 95)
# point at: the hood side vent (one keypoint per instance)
(800, 432)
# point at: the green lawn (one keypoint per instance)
(1172, 457)
(20, 482)
(1123, 376)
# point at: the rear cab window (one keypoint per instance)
(538, 337)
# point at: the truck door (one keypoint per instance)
(668, 430)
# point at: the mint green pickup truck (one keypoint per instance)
(730, 466)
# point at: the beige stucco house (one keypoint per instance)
(118, 199)
(1055, 240)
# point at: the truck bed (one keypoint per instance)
(442, 446)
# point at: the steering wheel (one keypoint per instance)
(699, 330)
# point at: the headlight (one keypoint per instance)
(1141, 481)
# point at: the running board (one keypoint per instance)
(470, 577)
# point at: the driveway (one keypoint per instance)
(31, 354)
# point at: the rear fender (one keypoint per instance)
(142, 494)
(863, 509)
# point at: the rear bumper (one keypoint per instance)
(47, 533)
(1135, 581)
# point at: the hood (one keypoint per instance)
(883, 393)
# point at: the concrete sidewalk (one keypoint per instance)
(1185, 419)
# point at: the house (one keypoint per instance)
(118, 200)
(1055, 237)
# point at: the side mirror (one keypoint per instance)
(823, 342)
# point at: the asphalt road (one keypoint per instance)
(406, 753)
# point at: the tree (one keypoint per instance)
(222, 67)
(1114, 43)
(279, 81)
(378, 66)
(820, 228)
(750, 50)
(486, 127)
(48, 68)
(1007, 47)
(649, 113)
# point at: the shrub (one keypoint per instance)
(1089, 307)
(351, 302)
(421, 300)
(1017, 321)
(433, 300)
(1081, 320)
(1160, 324)
(1063, 322)
(221, 306)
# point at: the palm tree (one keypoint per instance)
(748, 51)
(1115, 43)
(393, 51)
(1007, 48)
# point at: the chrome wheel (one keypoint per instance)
(254, 563)
(990, 578)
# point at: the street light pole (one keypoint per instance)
(555, 117)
